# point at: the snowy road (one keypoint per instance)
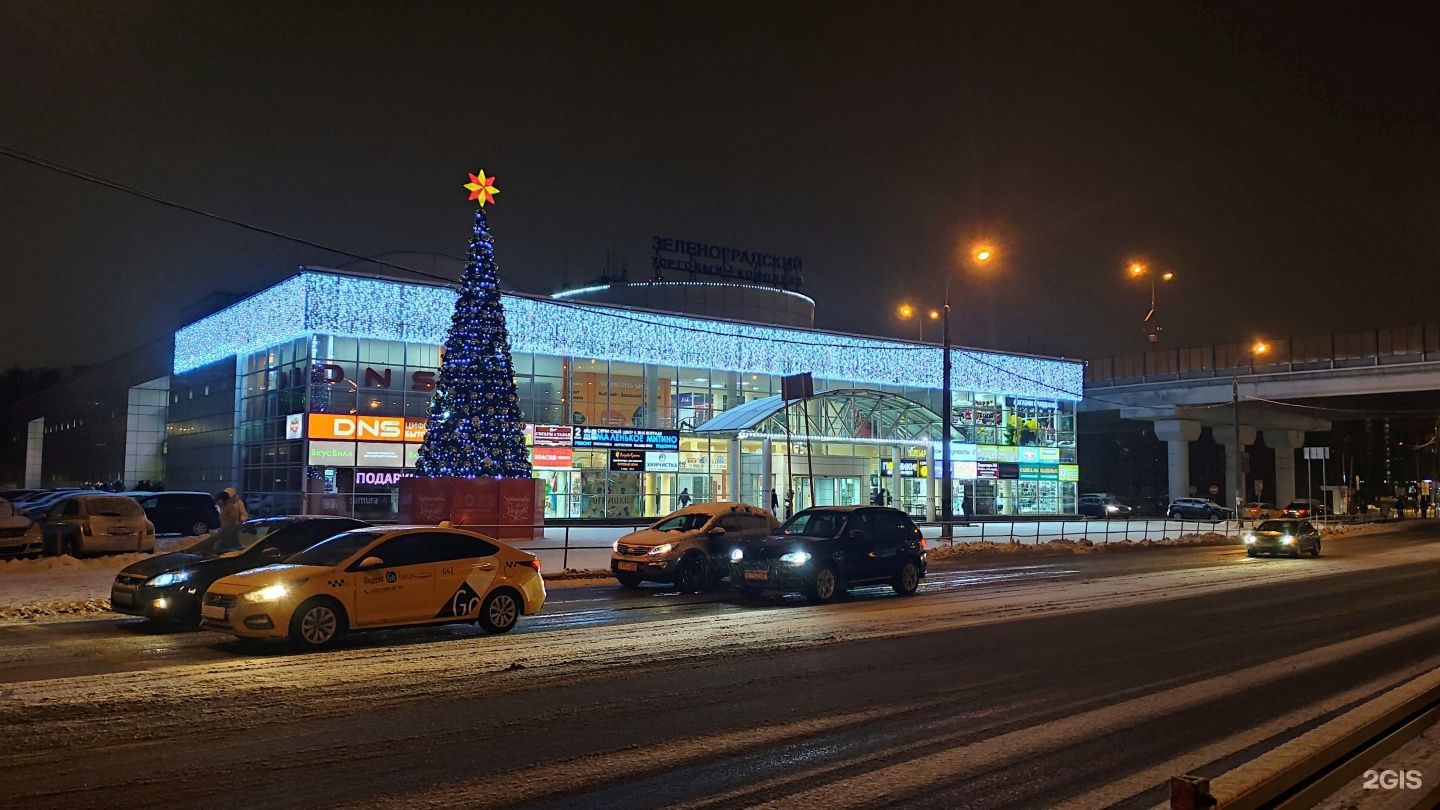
(1086, 678)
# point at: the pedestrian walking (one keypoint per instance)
(789, 503)
(232, 509)
(774, 500)
(684, 497)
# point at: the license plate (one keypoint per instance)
(121, 598)
(625, 566)
(214, 612)
(757, 574)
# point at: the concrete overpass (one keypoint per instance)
(1282, 392)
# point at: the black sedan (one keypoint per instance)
(169, 587)
(822, 551)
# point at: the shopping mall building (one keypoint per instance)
(639, 396)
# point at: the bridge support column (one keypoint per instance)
(1284, 443)
(1225, 435)
(1177, 435)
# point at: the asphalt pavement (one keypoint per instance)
(1086, 679)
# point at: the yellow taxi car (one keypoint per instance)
(379, 577)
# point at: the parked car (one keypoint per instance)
(88, 523)
(821, 551)
(1260, 511)
(1197, 509)
(188, 513)
(1292, 537)
(38, 505)
(1103, 506)
(381, 577)
(19, 535)
(1305, 508)
(169, 587)
(689, 547)
(14, 495)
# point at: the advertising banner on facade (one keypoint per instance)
(627, 461)
(551, 435)
(613, 400)
(332, 454)
(358, 427)
(552, 458)
(987, 469)
(295, 427)
(661, 461)
(376, 454)
(626, 438)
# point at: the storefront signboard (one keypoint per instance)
(966, 470)
(1069, 472)
(694, 462)
(552, 458)
(358, 427)
(964, 451)
(1049, 455)
(553, 435)
(332, 454)
(627, 461)
(909, 468)
(412, 454)
(662, 461)
(1007, 453)
(295, 427)
(1049, 472)
(370, 478)
(626, 438)
(987, 452)
(380, 455)
(1009, 470)
(1029, 455)
(918, 452)
(987, 469)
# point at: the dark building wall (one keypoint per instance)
(200, 432)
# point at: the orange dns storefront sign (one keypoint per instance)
(366, 428)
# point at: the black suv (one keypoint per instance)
(169, 587)
(188, 513)
(824, 550)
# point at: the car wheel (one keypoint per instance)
(500, 611)
(70, 545)
(693, 576)
(1295, 552)
(1250, 552)
(317, 623)
(628, 580)
(1174, 515)
(747, 592)
(199, 528)
(1315, 552)
(908, 580)
(824, 587)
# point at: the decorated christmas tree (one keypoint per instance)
(475, 428)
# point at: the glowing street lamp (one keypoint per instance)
(1137, 270)
(1257, 349)
(979, 255)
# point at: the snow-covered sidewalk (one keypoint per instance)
(53, 586)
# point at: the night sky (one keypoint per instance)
(1281, 160)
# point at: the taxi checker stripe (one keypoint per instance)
(337, 583)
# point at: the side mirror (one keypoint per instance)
(371, 562)
(716, 531)
(271, 553)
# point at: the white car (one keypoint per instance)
(19, 535)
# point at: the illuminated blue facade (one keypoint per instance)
(380, 309)
(323, 345)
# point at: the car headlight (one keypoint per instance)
(737, 554)
(795, 558)
(169, 578)
(1287, 539)
(1249, 538)
(615, 546)
(663, 548)
(1111, 508)
(269, 593)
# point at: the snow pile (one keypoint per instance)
(1065, 547)
(59, 586)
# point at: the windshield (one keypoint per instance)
(682, 523)
(236, 538)
(1283, 526)
(336, 550)
(814, 524)
(113, 507)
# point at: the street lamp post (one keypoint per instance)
(947, 507)
(1259, 348)
(1136, 271)
(906, 312)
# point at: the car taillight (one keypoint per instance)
(85, 528)
(922, 544)
(535, 563)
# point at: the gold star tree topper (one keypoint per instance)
(482, 188)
